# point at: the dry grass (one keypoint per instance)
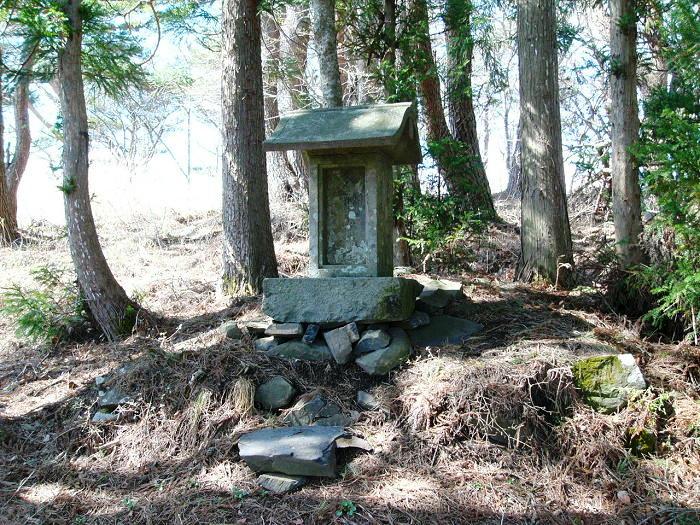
(489, 432)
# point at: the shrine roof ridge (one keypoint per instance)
(391, 128)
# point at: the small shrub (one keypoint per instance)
(52, 311)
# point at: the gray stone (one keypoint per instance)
(372, 340)
(608, 381)
(256, 327)
(280, 483)
(438, 294)
(382, 361)
(231, 330)
(265, 344)
(367, 401)
(340, 342)
(311, 333)
(111, 398)
(342, 299)
(102, 416)
(416, 320)
(101, 380)
(307, 410)
(353, 442)
(296, 451)
(275, 393)
(285, 330)
(299, 350)
(444, 330)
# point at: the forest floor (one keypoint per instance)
(488, 432)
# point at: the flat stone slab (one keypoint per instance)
(444, 330)
(295, 451)
(382, 361)
(340, 299)
(285, 330)
(298, 350)
(280, 483)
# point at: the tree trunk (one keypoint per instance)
(545, 235)
(249, 252)
(460, 54)
(324, 40)
(515, 171)
(453, 160)
(113, 311)
(624, 129)
(8, 221)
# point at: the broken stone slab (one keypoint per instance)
(281, 483)
(372, 340)
(265, 344)
(274, 393)
(298, 350)
(608, 381)
(444, 330)
(417, 319)
(382, 361)
(340, 299)
(231, 330)
(256, 327)
(111, 398)
(340, 342)
(295, 451)
(311, 334)
(285, 330)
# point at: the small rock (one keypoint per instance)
(275, 393)
(265, 344)
(280, 483)
(624, 497)
(305, 411)
(256, 327)
(102, 417)
(296, 451)
(372, 340)
(353, 442)
(607, 381)
(382, 361)
(111, 398)
(298, 350)
(416, 320)
(367, 401)
(437, 294)
(310, 334)
(340, 341)
(285, 330)
(231, 330)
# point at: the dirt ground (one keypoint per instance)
(488, 432)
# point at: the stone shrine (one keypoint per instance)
(350, 153)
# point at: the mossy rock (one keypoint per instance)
(607, 381)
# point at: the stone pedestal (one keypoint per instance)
(340, 299)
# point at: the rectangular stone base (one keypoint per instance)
(340, 299)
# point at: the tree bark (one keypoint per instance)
(325, 42)
(545, 235)
(249, 252)
(113, 311)
(8, 221)
(624, 130)
(515, 172)
(460, 54)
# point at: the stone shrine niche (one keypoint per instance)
(350, 153)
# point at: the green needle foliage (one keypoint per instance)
(669, 151)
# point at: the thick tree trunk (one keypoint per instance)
(452, 158)
(8, 221)
(545, 235)
(114, 312)
(325, 43)
(249, 252)
(624, 129)
(460, 53)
